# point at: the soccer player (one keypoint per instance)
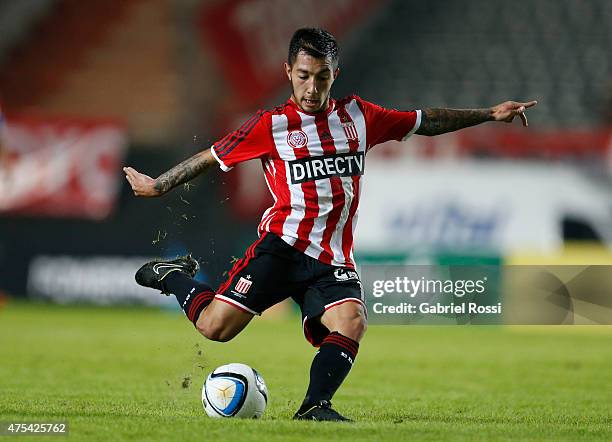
(312, 149)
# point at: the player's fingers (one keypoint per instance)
(131, 172)
(131, 181)
(530, 103)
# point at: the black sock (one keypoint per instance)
(329, 368)
(192, 296)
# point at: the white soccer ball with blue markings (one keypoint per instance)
(235, 390)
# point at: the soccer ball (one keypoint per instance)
(235, 390)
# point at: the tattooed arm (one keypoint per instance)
(439, 121)
(144, 185)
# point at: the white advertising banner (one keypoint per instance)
(410, 205)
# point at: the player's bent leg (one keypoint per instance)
(348, 319)
(217, 321)
(221, 321)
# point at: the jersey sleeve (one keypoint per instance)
(388, 124)
(252, 140)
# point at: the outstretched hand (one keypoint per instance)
(510, 109)
(142, 185)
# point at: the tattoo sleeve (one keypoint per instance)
(185, 171)
(439, 121)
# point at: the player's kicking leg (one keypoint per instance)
(262, 278)
(215, 320)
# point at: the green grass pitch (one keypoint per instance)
(136, 374)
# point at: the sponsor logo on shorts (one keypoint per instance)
(346, 275)
(243, 285)
(316, 168)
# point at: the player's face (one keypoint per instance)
(311, 81)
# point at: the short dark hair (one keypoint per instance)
(316, 42)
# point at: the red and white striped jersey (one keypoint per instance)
(313, 164)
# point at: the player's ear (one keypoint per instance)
(288, 71)
(336, 73)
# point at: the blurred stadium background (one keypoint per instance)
(87, 87)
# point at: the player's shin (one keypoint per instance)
(330, 367)
(193, 296)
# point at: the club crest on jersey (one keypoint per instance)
(297, 138)
(350, 131)
(243, 285)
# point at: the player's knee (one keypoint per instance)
(354, 324)
(359, 324)
(214, 330)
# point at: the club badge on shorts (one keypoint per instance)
(243, 285)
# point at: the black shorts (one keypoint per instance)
(272, 271)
